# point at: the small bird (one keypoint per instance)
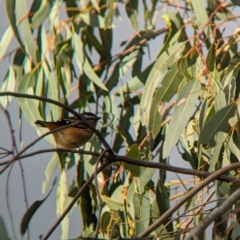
(71, 137)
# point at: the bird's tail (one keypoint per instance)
(49, 125)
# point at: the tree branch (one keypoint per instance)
(215, 214)
(188, 195)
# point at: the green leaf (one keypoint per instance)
(95, 4)
(3, 229)
(93, 20)
(111, 109)
(112, 204)
(234, 142)
(174, 33)
(5, 41)
(169, 87)
(220, 99)
(165, 61)
(52, 91)
(220, 138)
(25, 30)
(10, 6)
(136, 82)
(51, 167)
(137, 65)
(41, 14)
(132, 12)
(8, 85)
(110, 13)
(142, 211)
(29, 106)
(31, 211)
(105, 221)
(203, 113)
(187, 155)
(202, 16)
(83, 62)
(211, 58)
(163, 203)
(120, 70)
(230, 80)
(133, 153)
(181, 114)
(184, 67)
(155, 121)
(218, 122)
(61, 202)
(145, 176)
(236, 2)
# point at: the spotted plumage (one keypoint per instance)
(72, 137)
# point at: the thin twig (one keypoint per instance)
(8, 204)
(70, 150)
(79, 193)
(215, 214)
(14, 148)
(189, 195)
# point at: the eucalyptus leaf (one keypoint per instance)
(181, 114)
(218, 122)
(31, 211)
(165, 61)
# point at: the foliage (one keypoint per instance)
(161, 90)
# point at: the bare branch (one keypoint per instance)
(215, 214)
(189, 195)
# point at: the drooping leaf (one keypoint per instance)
(134, 153)
(5, 41)
(8, 85)
(84, 64)
(31, 211)
(142, 211)
(10, 6)
(41, 14)
(112, 204)
(165, 61)
(168, 88)
(220, 138)
(3, 229)
(132, 9)
(93, 20)
(145, 176)
(230, 80)
(236, 2)
(218, 122)
(51, 167)
(174, 32)
(28, 106)
(201, 15)
(110, 14)
(105, 221)
(162, 195)
(61, 198)
(181, 114)
(211, 58)
(25, 30)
